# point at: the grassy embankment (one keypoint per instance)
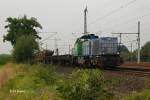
(29, 83)
(38, 82)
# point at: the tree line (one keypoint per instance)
(132, 56)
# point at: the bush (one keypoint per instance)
(84, 85)
(4, 58)
(47, 75)
(144, 95)
(25, 49)
(37, 82)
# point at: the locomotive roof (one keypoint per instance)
(89, 36)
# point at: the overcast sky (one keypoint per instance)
(66, 17)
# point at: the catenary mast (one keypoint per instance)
(85, 20)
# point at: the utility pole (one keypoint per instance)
(46, 46)
(131, 52)
(120, 35)
(85, 20)
(69, 49)
(131, 48)
(138, 53)
(139, 47)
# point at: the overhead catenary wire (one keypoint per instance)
(126, 21)
(45, 32)
(129, 20)
(113, 11)
(54, 33)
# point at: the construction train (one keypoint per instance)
(89, 51)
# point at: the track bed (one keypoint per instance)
(122, 81)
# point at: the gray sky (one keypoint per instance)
(66, 16)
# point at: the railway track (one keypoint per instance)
(130, 71)
(140, 72)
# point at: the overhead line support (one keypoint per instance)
(138, 39)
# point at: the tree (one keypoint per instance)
(145, 52)
(125, 53)
(17, 27)
(123, 49)
(25, 48)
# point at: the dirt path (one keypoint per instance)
(6, 73)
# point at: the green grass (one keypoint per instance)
(40, 82)
(35, 81)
